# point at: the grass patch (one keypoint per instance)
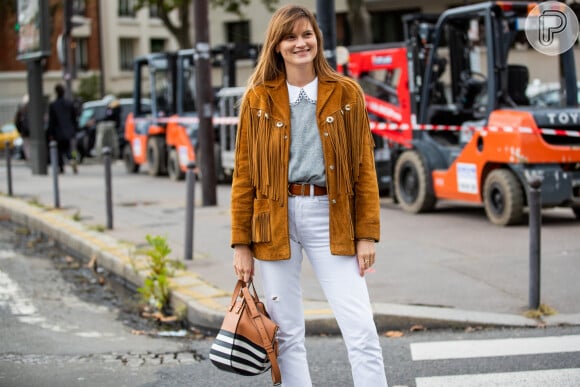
(543, 310)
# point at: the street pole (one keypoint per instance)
(327, 21)
(38, 145)
(204, 103)
(535, 226)
(33, 54)
(101, 50)
(189, 211)
(67, 69)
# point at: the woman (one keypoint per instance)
(305, 181)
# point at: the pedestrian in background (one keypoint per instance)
(62, 127)
(305, 182)
(22, 125)
(108, 130)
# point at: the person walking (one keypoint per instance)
(305, 182)
(62, 127)
(109, 130)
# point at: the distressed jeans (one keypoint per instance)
(345, 290)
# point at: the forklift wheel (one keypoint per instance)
(411, 183)
(156, 156)
(130, 165)
(503, 198)
(173, 167)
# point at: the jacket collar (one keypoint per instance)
(327, 92)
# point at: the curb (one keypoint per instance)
(205, 304)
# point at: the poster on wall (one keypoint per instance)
(33, 39)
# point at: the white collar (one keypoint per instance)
(310, 89)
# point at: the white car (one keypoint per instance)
(547, 94)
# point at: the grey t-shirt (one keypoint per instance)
(306, 156)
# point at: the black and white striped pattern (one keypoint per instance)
(234, 353)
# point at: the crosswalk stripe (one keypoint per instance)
(496, 347)
(569, 377)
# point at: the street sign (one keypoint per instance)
(33, 36)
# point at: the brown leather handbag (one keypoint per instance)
(246, 343)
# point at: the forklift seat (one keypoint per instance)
(518, 78)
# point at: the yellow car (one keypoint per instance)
(9, 133)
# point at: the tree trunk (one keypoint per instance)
(360, 22)
(181, 31)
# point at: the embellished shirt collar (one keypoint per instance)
(308, 92)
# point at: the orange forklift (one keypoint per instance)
(451, 118)
(147, 127)
(164, 135)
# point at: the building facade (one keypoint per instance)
(106, 35)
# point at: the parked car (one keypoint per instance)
(547, 94)
(8, 133)
(92, 113)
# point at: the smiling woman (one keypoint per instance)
(303, 170)
(298, 49)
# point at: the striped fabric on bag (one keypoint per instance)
(237, 354)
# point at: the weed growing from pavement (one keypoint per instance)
(543, 310)
(155, 290)
(35, 202)
(97, 228)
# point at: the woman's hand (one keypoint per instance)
(243, 263)
(365, 253)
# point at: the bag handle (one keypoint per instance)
(237, 292)
(257, 317)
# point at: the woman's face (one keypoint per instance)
(299, 47)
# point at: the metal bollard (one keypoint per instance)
(108, 187)
(535, 224)
(189, 210)
(8, 166)
(54, 168)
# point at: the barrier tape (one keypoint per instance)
(400, 127)
(190, 120)
(506, 129)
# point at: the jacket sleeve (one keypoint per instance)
(367, 201)
(242, 197)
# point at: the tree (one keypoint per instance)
(358, 17)
(180, 28)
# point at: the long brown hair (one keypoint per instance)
(271, 64)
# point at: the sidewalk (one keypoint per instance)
(450, 268)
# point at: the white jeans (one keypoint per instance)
(345, 290)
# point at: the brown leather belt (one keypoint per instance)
(297, 189)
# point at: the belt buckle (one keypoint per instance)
(302, 189)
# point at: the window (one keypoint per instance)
(126, 54)
(153, 11)
(387, 26)
(127, 8)
(82, 54)
(157, 45)
(238, 32)
(79, 7)
(343, 32)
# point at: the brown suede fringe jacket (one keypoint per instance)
(259, 211)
